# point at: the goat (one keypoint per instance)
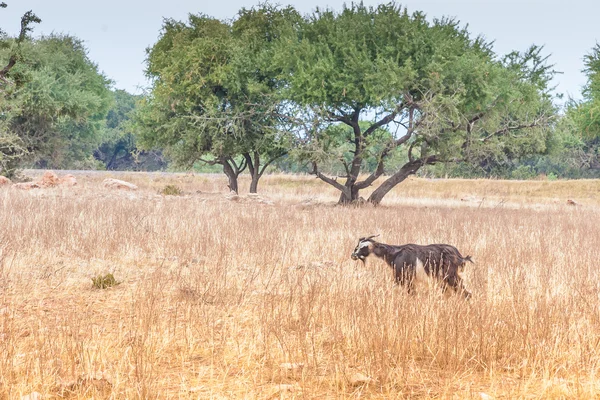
(413, 262)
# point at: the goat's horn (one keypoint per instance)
(371, 237)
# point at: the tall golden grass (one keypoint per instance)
(241, 299)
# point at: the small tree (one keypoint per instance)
(215, 94)
(442, 95)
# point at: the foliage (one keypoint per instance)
(104, 281)
(448, 95)
(214, 95)
(171, 190)
(60, 101)
(118, 150)
(12, 147)
(584, 116)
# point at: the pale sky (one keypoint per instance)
(117, 33)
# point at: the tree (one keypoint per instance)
(12, 149)
(585, 115)
(118, 150)
(59, 102)
(215, 97)
(64, 100)
(447, 95)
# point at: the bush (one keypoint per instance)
(523, 172)
(104, 282)
(171, 190)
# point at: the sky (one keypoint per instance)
(117, 33)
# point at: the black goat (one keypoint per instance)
(413, 262)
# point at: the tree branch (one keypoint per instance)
(385, 120)
(249, 162)
(507, 129)
(371, 178)
(262, 171)
(28, 18)
(326, 179)
(209, 162)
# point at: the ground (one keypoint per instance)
(256, 297)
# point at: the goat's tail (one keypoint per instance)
(469, 259)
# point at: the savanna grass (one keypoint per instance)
(222, 299)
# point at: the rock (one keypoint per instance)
(118, 184)
(360, 379)
(49, 179)
(26, 185)
(571, 202)
(485, 396)
(4, 181)
(68, 180)
(32, 396)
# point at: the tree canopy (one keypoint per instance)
(443, 95)
(215, 96)
(58, 101)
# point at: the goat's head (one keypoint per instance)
(363, 248)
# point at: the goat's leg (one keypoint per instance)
(456, 283)
(404, 275)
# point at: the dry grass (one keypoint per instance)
(242, 299)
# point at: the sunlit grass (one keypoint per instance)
(242, 299)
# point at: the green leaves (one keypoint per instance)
(215, 88)
(61, 98)
(448, 95)
(586, 114)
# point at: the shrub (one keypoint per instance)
(171, 190)
(104, 282)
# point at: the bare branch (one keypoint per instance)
(326, 179)
(262, 171)
(209, 162)
(507, 129)
(385, 120)
(371, 178)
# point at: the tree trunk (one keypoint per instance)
(254, 183)
(407, 169)
(232, 176)
(253, 168)
(353, 194)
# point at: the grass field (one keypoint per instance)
(257, 298)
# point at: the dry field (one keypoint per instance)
(244, 299)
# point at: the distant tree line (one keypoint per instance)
(365, 96)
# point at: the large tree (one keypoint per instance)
(443, 95)
(59, 101)
(215, 96)
(64, 101)
(12, 148)
(584, 115)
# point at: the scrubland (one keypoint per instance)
(257, 298)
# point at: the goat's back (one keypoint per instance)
(440, 258)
